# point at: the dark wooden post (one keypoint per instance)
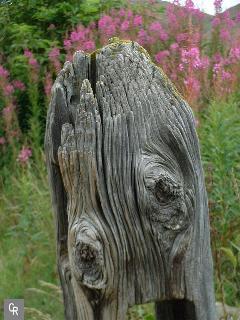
(127, 189)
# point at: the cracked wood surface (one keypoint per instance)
(127, 190)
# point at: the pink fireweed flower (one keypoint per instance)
(129, 14)
(3, 72)
(92, 25)
(28, 53)
(237, 17)
(8, 89)
(137, 21)
(225, 34)
(217, 58)
(218, 5)
(173, 76)
(7, 111)
(189, 5)
(180, 67)
(19, 85)
(54, 53)
(163, 36)
(216, 68)
(107, 25)
(174, 46)
(125, 25)
(48, 84)
(161, 55)
(192, 85)
(76, 36)
(33, 62)
(181, 37)
(173, 20)
(192, 57)
(24, 155)
(104, 22)
(122, 12)
(89, 45)
(54, 58)
(190, 53)
(2, 140)
(155, 26)
(67, 44)
(215, 22)
(142, 37)
(226, 75)
(234, 54)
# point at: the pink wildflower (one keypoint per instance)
(237, 17)
(2, 140)
(104, 22)
(48, 84)
(235, 54)
(216, 22)
(181, 37)
(224, 34)
(8, 89)
(180, 67)
(54, 53)
(28, 53)
(142, 37)
(189, 5)
(107, 25)
(122, 12)
(89, 45)
(125, 25)
(163, 36)
(3, 72)
(161, 55)
(174, 46)
(24, 155)
(155, 26)
(226, 75)
(76, 36)
(33, 62)
(19, 85)
(218, 5)
(7, 110)
(67, 44)
(137, 21)
(216, 68)
(193, 85)
(129, 14)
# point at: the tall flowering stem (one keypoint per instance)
(33, 94)
(10, 126)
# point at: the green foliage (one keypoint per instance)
(220, 136)
(27, 240)
(25, 23)
(27, 226)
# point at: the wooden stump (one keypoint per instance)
(127, 190)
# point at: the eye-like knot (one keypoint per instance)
(87, 253)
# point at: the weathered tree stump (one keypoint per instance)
(127, 189)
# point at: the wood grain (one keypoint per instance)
(127, 190)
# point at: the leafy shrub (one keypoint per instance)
(220, 136)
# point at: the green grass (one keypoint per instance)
(27, 251)
(27, 243)
(220, 141)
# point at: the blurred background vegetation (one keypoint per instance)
(201, 55)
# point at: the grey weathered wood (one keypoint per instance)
(127, 189)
